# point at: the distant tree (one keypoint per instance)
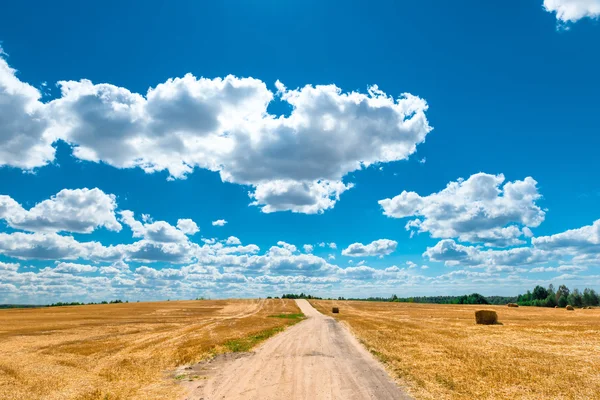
(575, 298)
(550, 300)
(539, 293)
(590, 297)
(563, 301)
(562, 291)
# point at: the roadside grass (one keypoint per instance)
(248, 342)
(288, 316)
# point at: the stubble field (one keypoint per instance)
(438, 352)
(123, 351)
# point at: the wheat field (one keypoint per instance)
(438, 352)
(121, 351)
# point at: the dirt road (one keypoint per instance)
(315, 359)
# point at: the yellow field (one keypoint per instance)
(120, 351)
(438, 352)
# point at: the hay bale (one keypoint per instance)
(555, 306)
(513, 305)
(335, 310)
(486, 317)
(570, 308)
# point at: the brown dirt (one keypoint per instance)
(316, 359)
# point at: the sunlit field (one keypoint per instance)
(438, 352)
(121, 351)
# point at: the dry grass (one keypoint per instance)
(438, 352)
(121, 351)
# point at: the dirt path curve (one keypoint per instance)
(315, 359)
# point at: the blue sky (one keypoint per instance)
(442, 148)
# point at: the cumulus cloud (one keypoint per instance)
(159, 231)
(475, 210)
(583, 240)
(232, 240)
(295, 162)
(79, 210)
(219, 222)
(308, 248)
(71, 268)
(560, 268)
(573, 10)
(9, 266)
(454, 254)
(381, 247)
(25, 141)
(187, 226)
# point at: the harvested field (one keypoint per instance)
(439, 352)
(124, 351)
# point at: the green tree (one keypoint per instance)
(562, 301)
(539, 293)
(562, 291)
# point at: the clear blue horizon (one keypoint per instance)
(247, 149)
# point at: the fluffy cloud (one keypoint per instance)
(560, 268)
(219, 222)
(72, 268)
(295, 162)
(453, 254)
(381, 247)
(232, 240)
(25, 141)
(187, 226)
(474, 210)
(79, 210)
(583, 240)
(160, 231)
(573, 10)
(9, 266)
(308, 248)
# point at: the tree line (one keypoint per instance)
(561, 297)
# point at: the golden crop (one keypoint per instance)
(438, 352)
(120, 351)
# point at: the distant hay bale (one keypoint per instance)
(335, 310)
(570, 308)
(486, 317)
(513, 305)
(555, 306)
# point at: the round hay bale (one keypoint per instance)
(513, 305)
(555, 306)
(486, 317)
(570, 308)
(335, 310)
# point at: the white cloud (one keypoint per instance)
(159, 231)
(79, 210)
(583, 240)
(219, 222)
(332, 246)
(331, 257)
(308, 248)
(24, 138)
(294, 162)
(475, 210)
(573, 10)
(72, 268)
(560, 268)
(381, 247)
(9, 266)
(187, 226)
(411, 265)
(232, 240)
